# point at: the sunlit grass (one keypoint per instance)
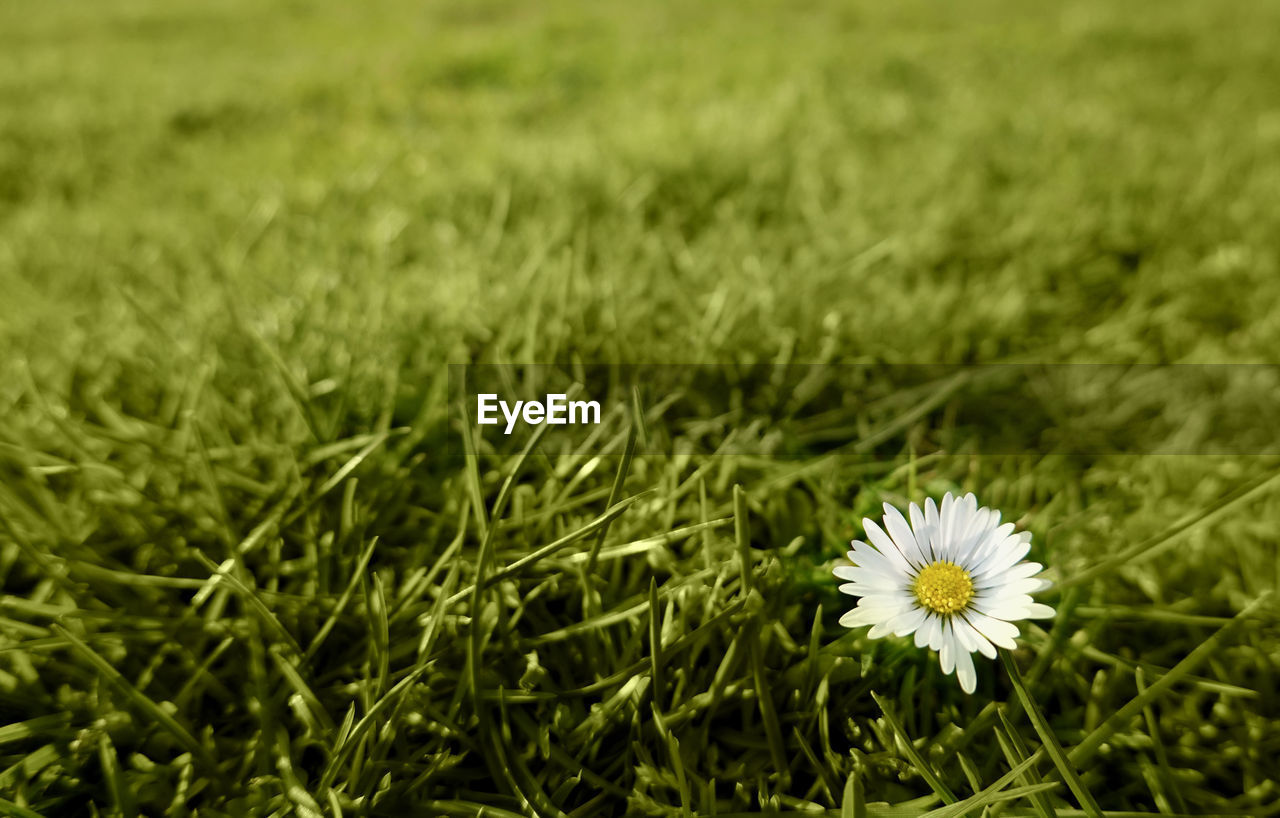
(246, 569)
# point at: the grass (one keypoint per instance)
(247, 569)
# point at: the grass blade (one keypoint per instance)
(1085, 750)
(931, 778)
(144, 705)
(854, 802)
(1049, 741)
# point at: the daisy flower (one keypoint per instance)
(954, 577)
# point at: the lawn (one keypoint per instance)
(256, 558)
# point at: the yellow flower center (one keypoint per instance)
(943, 587)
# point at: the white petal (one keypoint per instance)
(884, 543)
(882, 598)
(993, 519)
(963, 543)
(922, 532)
(905, 623)
(942, 537)
(865, 614)
(1000, 595)
(1019, 589)
(1023, 570)
(880, 595)
(999, 632)
(881, 628)
(1040, 611)
(965, 671)
(962, 511)
(981, 554)
(902, 535)
(937, 635)
(876, 616)
(975, 640)
(855, 618)
(1003, 556)
(940, 540)
(868, 556)
(966, 523)
(864, 556)
(992, 543)
(945, 515)
(947, 655)
(1031, 610)
(867, 576)
(916, 516)
(1013, 587)
(925, 633)
(975, 530)
(1009, 609)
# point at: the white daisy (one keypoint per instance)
(953, 577)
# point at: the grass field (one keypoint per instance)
(246, 570)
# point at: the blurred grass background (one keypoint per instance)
(239, 242)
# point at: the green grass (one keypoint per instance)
(246, 570)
